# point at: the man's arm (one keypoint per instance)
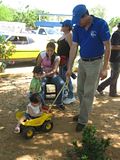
(107, 54)
(72, 56)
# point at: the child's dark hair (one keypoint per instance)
(38, 69)
(51, 45)
(34, 98)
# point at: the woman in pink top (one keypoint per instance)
(49, 61)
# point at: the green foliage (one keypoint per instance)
(98, 11)
(6, 14)
(93, 148)
(6, 49)
(26, 17)
(113, 22)
(84, 157)
(29, 17)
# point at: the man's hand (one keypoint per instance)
(68, 74)
(103, 74)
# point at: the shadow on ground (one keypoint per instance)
(52, 145)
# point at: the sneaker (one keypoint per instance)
(75, 118)
(69, 100)
(80, 127)
(17, 129)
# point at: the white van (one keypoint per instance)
(51, 33)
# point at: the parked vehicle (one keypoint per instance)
(28, 46)
(51, 33)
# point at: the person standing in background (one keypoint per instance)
(64, 44)
(115, 66)
(92, 35)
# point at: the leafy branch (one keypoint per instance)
(93, 147)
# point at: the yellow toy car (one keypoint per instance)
(43, 123)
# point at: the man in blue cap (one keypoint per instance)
(92, 35)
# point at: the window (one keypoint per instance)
(18, 40)
(42, 31)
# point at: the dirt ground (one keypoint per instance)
(52, 145)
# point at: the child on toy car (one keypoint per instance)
(34, 110)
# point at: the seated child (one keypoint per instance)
(36, 82)
(34, 110)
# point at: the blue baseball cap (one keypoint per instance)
(78, 12)
(67, 23)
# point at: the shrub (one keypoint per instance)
(93, 147)
(6, 50)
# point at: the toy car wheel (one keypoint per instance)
(28, 132)
(47, 126)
